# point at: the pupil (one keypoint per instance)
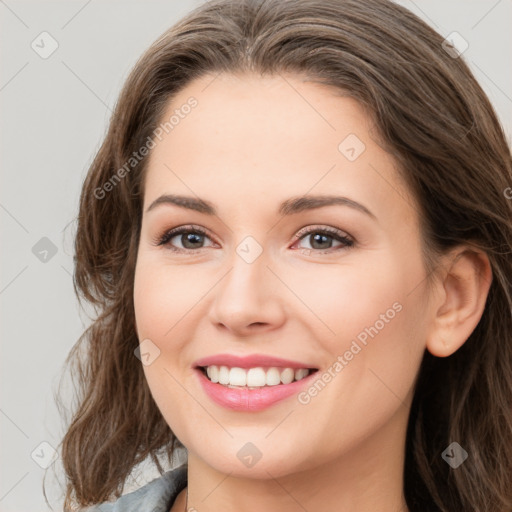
(190, 238)
(317, 238)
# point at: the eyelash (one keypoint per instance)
(329, 232)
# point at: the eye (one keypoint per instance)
(191, 238)
(320, 239)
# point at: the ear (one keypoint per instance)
(464, 287)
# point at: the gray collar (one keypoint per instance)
(156, 496)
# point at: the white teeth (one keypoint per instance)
(301, 373)
(237, 377)
(273, 377)
(223, 375)
(254, 377)
(213, 373)
(287, 375)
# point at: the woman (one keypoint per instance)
(297, 236)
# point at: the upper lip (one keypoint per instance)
(250, 361)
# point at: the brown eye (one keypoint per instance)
(190, 238)
(321, 240)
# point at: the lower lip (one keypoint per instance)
(250, 400)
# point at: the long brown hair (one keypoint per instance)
(430, 114)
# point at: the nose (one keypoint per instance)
(248, 299)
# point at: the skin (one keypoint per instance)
(250, 144)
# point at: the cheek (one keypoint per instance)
(162, 295)
(373, 320)
(341, 300)
(374, 359)
(162, 298)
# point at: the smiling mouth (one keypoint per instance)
(254, 378)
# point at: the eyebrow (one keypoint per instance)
(288, 207)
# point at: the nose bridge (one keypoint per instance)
(249, 276)
(249, 291)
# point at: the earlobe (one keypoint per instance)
(466, 285)
(441, 347)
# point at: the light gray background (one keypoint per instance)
(54, 114)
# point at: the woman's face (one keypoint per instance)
(267, 280)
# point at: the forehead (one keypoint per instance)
(270, 137)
